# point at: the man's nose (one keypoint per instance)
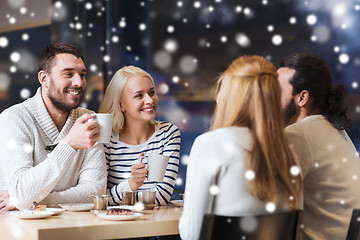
(78, 80)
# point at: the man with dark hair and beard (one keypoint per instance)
(48, 145)
(315, 113)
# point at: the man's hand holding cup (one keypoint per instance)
(84, 133)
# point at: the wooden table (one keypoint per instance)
(86, 225)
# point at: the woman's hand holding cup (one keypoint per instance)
(138, 174)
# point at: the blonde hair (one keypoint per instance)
(249, 95)
(114, 93)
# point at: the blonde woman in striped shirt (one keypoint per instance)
(131, 97)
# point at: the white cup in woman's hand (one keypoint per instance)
(156, 166)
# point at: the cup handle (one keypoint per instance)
(146, 167)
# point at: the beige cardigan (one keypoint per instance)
(331, 169)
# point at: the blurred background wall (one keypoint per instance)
(183, 44)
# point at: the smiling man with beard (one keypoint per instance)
(49, 152)
(315, 113)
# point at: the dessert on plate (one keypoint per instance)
(119, 211)
(38, 207)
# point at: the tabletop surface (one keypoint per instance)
(87, 225)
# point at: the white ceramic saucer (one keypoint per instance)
(178, 203)
(31, 214)
(120, 217)
(77, 207)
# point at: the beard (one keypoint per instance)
(290, 112)
(59, 100)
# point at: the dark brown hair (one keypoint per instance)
(313, 74)
(47, 55)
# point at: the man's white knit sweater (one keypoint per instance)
(31, 173)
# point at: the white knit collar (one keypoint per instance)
(37, 108)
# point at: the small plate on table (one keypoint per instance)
(120, 217)
(28, 214)
(135, 208)
(56, 210)
(178, 203)
(77, 207)
(130, 207)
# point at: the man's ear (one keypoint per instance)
(303, 98)
(43, 78)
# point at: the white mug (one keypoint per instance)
(105, 121)
(157, 164)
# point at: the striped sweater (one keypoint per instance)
(121, 156)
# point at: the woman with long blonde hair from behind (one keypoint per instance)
(247, 140)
